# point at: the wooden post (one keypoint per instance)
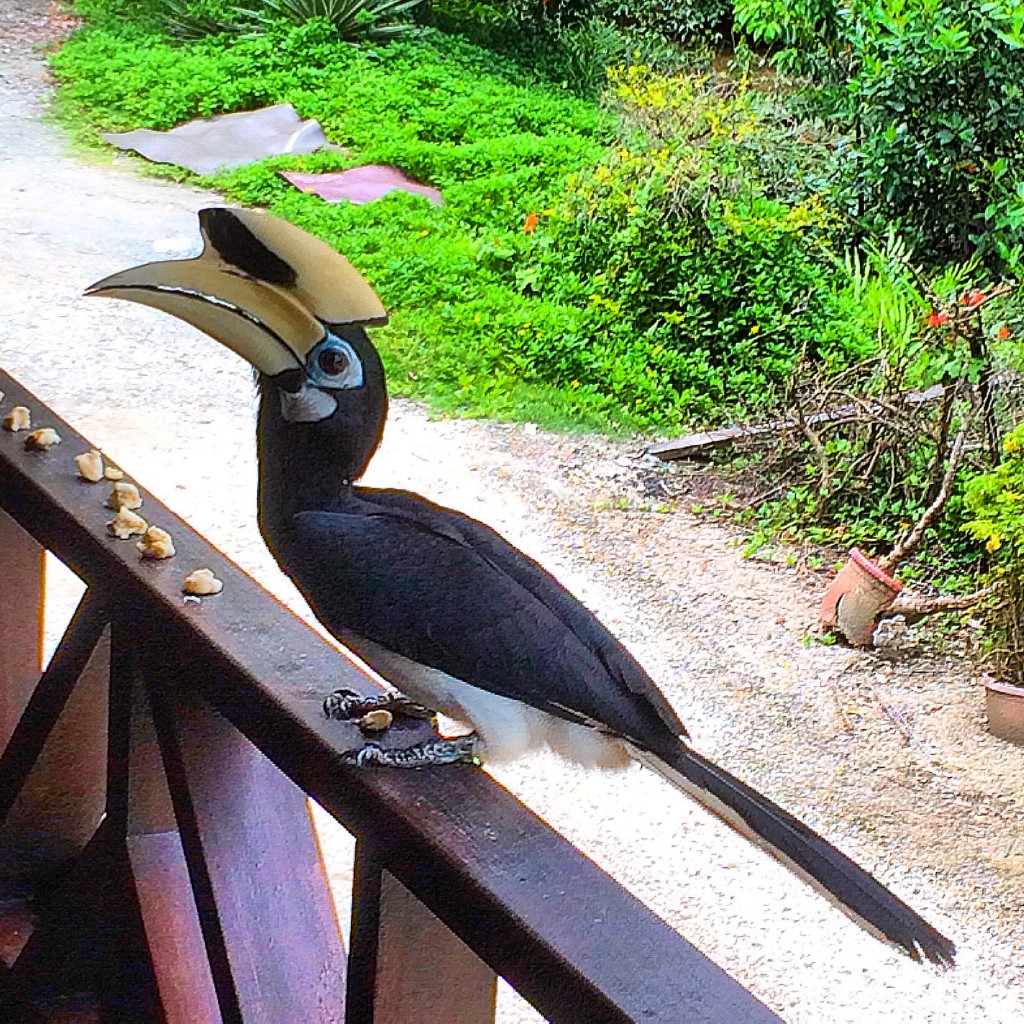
(406, 967)
(274, 942)
(163, 888)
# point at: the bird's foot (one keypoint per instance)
(347, 704)
(423, 755)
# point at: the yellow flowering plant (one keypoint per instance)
(996, 500)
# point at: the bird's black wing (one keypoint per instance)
(445, 591)
(533, 577)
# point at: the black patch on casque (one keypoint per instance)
(238, 246)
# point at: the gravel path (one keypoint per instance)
(886, 753)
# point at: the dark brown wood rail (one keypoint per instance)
(157, 857)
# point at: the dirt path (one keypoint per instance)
(885, 753)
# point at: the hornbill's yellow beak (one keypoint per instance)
(261, 286)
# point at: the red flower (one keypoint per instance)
(1003, 333)
(531, 224)
(937, 319)
(973, 298)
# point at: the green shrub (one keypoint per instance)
(807, 36)
(464, 119)
(866, 475)
(704, 285)
(938, 94)
(674, 19)
(679, 20)
(351, 19)
(996, 503)
(193, 19)
(931, 93)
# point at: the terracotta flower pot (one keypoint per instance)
(857, 596)
(1005, 706)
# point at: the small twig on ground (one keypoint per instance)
(896, 716)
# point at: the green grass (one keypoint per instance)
(498, 142)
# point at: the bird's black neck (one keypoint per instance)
(312, 466)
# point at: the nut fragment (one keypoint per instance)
(202, 583)
(126, 524)
(43, 439)
(19, 418)
(124, 495)
(113, 473)
(156, 543)
(90, 466)
(376, 721)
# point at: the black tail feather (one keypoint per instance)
(858, 894)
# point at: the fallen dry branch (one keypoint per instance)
(910, 541)
(695, 444)
(916, 606)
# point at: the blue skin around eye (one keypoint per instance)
(352, 376)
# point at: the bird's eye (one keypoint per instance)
(332, 362)
(335, 364)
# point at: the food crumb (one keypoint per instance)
(90, 466)
(19, 418)
(156, 543)
(376, 721)
(202, 583)
(124, 495)
(113, 473)
(43, 439)
(126, 524)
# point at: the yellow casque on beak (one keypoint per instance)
(261, 286)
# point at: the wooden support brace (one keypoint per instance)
(53, 768)
(406, 967)
(22, 564)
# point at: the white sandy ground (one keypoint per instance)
(176, 411)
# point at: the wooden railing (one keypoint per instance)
(157, 857)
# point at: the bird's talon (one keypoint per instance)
(423, 755)
(366, 755)
(344, 704)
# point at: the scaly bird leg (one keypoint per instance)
(347, 704)
(423, 755)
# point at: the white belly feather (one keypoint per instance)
(507, 728)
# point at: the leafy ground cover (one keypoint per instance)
(499, 144)
(646, 264)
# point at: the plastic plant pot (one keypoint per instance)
(1005, 705)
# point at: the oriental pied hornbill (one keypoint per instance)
(442, 606)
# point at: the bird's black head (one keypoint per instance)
(296, 310)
